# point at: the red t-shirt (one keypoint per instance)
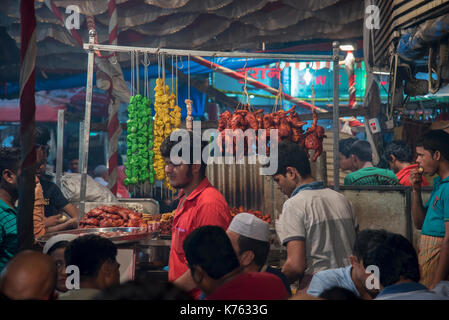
(205, 206)
(404, 175)
(251, 286)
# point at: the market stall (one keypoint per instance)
(143, 231)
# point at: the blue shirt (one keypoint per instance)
(408, 291)
(437, 212)
(323, 280)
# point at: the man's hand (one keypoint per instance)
(52, 221)
(416, 179)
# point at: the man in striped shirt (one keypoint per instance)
(9, 173)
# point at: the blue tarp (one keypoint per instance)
(414, 44)
(195, 68)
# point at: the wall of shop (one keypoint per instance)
(386, 207)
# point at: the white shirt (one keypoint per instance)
(325, 220)
(101, 181)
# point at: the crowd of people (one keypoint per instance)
(216, 257)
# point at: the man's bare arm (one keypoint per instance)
(295, 265)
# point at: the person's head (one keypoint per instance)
(293, 167)
(73, 165)
(55, 248)
(338, 293)
(145, 289)
(392, 254)
(344, 146)
(360, 153)
(29, 275)
(397, 153)
(250, 238)
(42, 136)
(95, 257)
(432, 150)
(186, 163)
(10, 160)
(101, 171)
(210, 256)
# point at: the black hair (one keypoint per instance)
(290, 154)
(145, 289)
(392, 253)
(435, 140)
(58, 245)
(338, 293)
(167, 145)
(362, 149)
(88, 253)
(210, 248)
(259, 248)
(344, 146)
(400, 149)
(10, 158)
(41, 135)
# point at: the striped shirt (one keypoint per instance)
(8, 233)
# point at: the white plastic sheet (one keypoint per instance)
(95, 192)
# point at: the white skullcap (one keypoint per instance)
(100, 170)
(58, 238)
(250, 226)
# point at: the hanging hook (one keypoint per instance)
(188, 75)
(137, 72)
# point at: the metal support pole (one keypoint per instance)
(231, 54)
(85, 145)
(336, 114)
(80, 146)
(59, 147)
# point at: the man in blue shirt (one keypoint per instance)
(396, 270)
(353, 277)
(433, 217)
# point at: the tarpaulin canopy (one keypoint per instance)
(185, 24)
(10, 111)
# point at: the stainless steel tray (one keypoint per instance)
(130, 234)
(139, 205)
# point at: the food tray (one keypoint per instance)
(139, 205)
(118, 235)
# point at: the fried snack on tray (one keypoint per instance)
(112, 217)
(258, 214)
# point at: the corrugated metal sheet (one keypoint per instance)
(242, 185)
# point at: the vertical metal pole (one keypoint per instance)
(336, 114)
(59, 147)
(85, 145)
(80, 146)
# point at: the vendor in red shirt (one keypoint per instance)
(200, 204)
(400, 158)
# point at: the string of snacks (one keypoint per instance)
(166, 120)
(139, 153)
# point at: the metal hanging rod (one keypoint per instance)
(234, 54)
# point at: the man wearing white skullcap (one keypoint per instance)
(55, 248)
(250, 238)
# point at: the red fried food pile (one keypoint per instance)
(258, 214)
(112, 217)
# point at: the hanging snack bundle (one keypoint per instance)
(166, 120)
(139, 153)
